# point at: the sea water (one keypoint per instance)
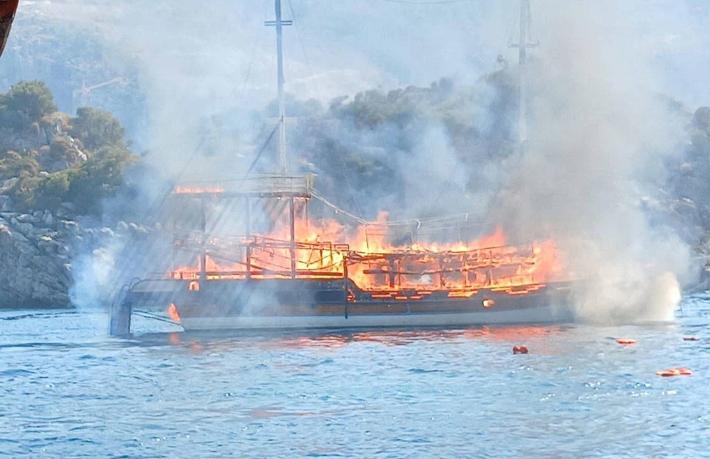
(68, 390)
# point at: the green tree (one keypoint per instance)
(14, 164)
(99, 177)
(97, 128)
(59, 171)
(25, 191)
(26, 103)
(84, 186)
(53, 189)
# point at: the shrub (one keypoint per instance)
(52, 190)
(26, 103)
(82, 173)
(85, 186)
(24, 193)
(15, 165)
(99, 177)
(96, 128)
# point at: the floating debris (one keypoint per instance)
(520, 349)
(668, 372)
(691, 338)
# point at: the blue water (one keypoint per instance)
(68, 390)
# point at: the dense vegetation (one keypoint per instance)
(72, 60)
(369, 149)
(49, 159)
(382, 148)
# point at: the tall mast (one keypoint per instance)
(523, 44)
(279, 23)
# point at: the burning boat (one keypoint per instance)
(303, 272)
(294, 277)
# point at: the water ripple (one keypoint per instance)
(69, 391)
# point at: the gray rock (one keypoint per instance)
(47, 244)
(48, 218)
(5, 203)
(106, 232)
(25, 218)
(26, 228)
(6, 185)
(69, 226)
(31, 275)
(63, 249)
(66, 210)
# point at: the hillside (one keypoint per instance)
(55, 169)
(407, 150)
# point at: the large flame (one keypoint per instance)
(325, 249)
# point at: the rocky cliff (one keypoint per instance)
(35, 263)
(38, 254)
(55, 170)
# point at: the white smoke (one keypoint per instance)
(95, 274)
(599, 136)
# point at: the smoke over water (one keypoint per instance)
(589, 178)
(598, 139)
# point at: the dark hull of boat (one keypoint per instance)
(287, 303)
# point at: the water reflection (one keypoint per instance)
(334, 339)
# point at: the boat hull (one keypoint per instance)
(296, 304)
(541, 314)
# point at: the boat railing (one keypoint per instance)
(261, 257)
(259, 186)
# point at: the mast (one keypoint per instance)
(523, 44)
(283, 159)
(279, 23)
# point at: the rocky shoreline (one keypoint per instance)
(39, 251)
(56, 170)
(35, 253)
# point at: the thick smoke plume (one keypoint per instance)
(599, 138)
(591, 172)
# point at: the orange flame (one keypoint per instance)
(374, 264)
(173, 313)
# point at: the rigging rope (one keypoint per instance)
(338, 210)
(261, 150)
(418, 222)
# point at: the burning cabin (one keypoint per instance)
(282, 269)
(318, 273)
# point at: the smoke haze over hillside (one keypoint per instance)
(600, 138)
